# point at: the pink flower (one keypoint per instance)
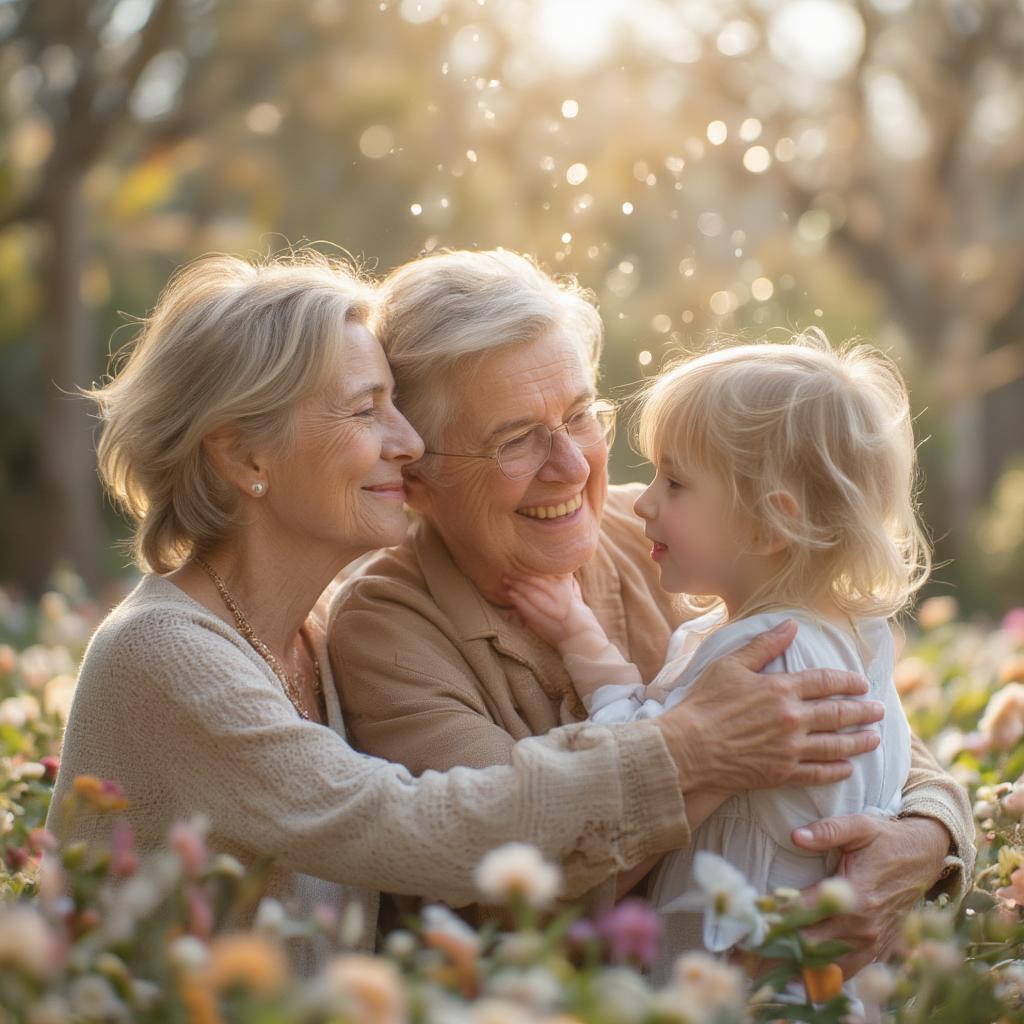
(1014, 892)
(186, 839)
(124, 861)
(51, 764)
(1002, 724)
(40, 841)
(632, 930)
(200, 915)
(1013, 623)
(1013, 802)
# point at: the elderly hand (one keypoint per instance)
(891, 864)
(740, 730)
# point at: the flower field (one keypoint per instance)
(111, 935)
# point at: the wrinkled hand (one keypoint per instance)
(890, 863)
(552, 606)
(739, 730)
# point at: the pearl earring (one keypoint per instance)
(258, 488)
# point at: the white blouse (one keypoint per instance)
(752, 830)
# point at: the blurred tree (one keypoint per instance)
(72, 72)
(733, 167)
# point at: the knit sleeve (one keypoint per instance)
(205, 714)
(933, 793)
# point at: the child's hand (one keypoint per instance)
(552, 607)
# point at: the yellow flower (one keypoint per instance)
(246, 961)
(104, 795)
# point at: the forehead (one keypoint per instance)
(533, 381)
(358, 361)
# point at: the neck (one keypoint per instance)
(741, 603)
(275, 581)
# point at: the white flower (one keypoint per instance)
(187, 953)
(28, 771)
(93, 998)
(518, 870)
(58, 694)
(536, 987)
(941, 956)
(623, 996)
(17, 711)
(708, 985)
(836, 896)
(875, 983)
(401, 944)
(271, 919)
(26, 942)
(728, 899)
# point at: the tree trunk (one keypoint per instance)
(68, 459)
(964, 346)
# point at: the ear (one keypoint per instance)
(233, 460)
(766, 540)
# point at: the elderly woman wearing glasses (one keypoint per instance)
(495, 366)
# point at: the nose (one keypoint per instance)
(566, 463)
(644, 506)
(402, 444)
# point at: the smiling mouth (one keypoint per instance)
(565, 508)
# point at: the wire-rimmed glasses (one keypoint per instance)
(524, 454)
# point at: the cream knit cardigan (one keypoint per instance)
(174, 705)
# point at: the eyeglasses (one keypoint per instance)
(525, 453)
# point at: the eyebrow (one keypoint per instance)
(587, 394)
(370, 391)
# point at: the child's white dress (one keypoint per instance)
(752, 830)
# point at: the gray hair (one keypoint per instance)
(229, 343)
(440, 315)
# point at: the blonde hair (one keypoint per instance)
(230, 343)
(440, 315)
(833, 430)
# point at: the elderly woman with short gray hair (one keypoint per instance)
(495, 365)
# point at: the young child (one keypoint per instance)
(784, 490)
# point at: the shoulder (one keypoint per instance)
(815, 645)
(157, 634)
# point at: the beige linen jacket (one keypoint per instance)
(432, 675)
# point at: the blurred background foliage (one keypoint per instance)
(705, 166)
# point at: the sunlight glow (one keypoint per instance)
(823, 38)
(579, 33)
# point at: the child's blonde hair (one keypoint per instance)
(833, 430)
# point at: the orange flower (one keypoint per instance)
(246, 961)
(1012, 670)
(823, 983)
(104, 795)
(200, 1002)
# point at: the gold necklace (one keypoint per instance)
(290, 686)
